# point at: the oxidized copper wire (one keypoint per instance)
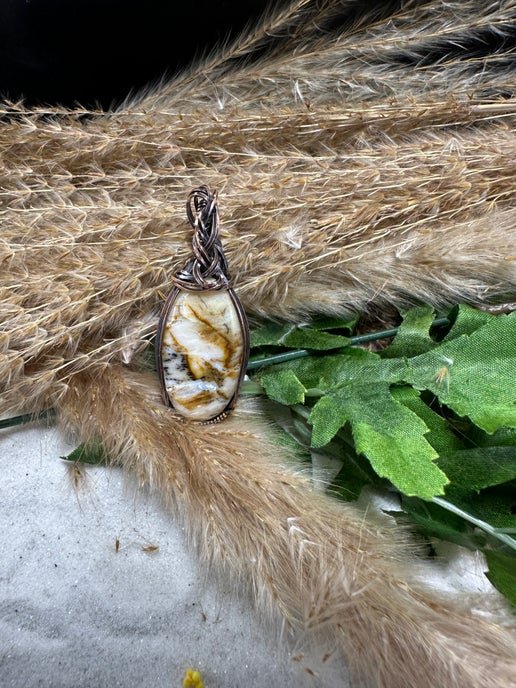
(207, 269)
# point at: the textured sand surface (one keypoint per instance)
(74, 612)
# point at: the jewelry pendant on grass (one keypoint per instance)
(202, 342)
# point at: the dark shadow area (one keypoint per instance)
(95, 52)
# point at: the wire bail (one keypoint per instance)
(207, 269)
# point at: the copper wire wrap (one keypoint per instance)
(207, 269)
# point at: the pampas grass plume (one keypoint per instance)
(364, 161)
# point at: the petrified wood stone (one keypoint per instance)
(202, 352)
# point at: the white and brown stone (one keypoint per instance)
(202, 353)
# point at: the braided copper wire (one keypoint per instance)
(207, 269)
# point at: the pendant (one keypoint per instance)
(202, 343)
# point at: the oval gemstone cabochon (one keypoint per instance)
(202, 352)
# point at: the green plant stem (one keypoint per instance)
(26, 418)
(486, 527)
(301, 410)
(263, 360)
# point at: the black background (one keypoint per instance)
(95, 52)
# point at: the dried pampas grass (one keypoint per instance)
(315, 564)
(361, 162)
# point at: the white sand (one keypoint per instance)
(74, 612)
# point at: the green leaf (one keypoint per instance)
(502, 573)
(88, 452)
(432, 520)
(283, 386)
(349, 482)
(493, 505)
(473, 374)
(440, 435)
(329, 371)
(497, 506)
(463, 509)
(356, 471)
(309, 338)
(271, 333)
(334, 323)
(292, 432)
(390, 423)
(388, 433)
(468, 320)
(504, 437)
(297, 337)
(413, 336)
(475, 469)
(27, 418)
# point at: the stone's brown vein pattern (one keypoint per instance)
(202, 353)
